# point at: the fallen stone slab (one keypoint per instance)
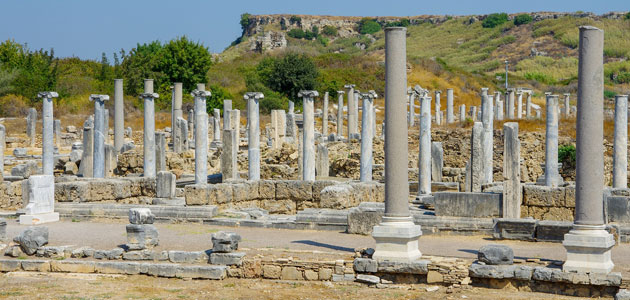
(496, 255)
(32, 238)
(515, 229)
(121, 211)
(478, 205)
(224, 241)
(369, 279)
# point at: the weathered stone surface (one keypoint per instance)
(229, 259)
(266, 189)
(32, 238)
(311, 275)
(365, 265)
(187, 256)
(515, 229)
(196, 194)
(220, 193)
(539, 195)
(413, 267)
(224, 241)
(36, 265)
(623, 294)
(487, 271)
(82, 252)
(496, 255)
(145, 255)
(362, 219)
(200, 272)
(291, 273)
(165, 184)
(72, 266)
(478, 205)
(25, 170)
(552, 230)
(369, 279)
(9, 265)
(297, 190)
(523, 272)
(325, 273)
(112, 254)
(3, 229)
(271, 271)
(141, 236)
(141, 216)
(336, 196)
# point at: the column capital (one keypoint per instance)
(149, 95)
(371, 95)
(308, 94)
(419, 91)
(341, 92)
(253, 95)
(198, 93)
(96, 97)
(47, 95)
(349, 86)
(438, 92)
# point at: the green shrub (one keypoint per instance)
(245, 21)
(216, 99)
(627, 16)
(566, 156)
(288, 74)
(295, 20)
(329, 30)
(540, 77)
(369, 26)
(494, 20)
(401, 23)
(609, 94)
(296, 33)
(322, 40)
(522, 19)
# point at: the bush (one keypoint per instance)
(216, 99)
(288, 74)
(401, 23)
(609, 94)
(296, 33)
(566, 156)
(368, 26)
(245, 21)
(329, 30)
(627, 16)
(322, 40)
(494, 20)
(295, 20)
(522, 19)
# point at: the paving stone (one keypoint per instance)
(32, 238)
(494, 254)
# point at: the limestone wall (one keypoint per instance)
(130, 190)
(11, 195)
(285, 196)
(548, 203)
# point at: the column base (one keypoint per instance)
(588, 249)
(36, 219)
(396, 240)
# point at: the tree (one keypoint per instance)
(289, 74)
(216, 99)
(140, 63)
(329, 30)
(296, 33)
(6, 80)
(522, 19)
(368, 26)
(494, 20)
(245, 21)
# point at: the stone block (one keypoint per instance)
(228, 259)
(243, 192)
(141, 236)
(475, 205)
(488, 271)
(19, 152)
(369, 279)
(141, 215)
(365, 265)
(162, 270)
(72, 266)
(618, 209)
(36, 265)
(25, 170)
(337, 196)
(82, 252)
(523, 272)
(542, 274)
(496, 255)
(201, 272)
(129, 268)
(220, 193)
(311, 275)
(515, 229)
(291, 273)
(552, 230)
(112, 254)
(319, 185)
(325, 273)
(413, 267)
(224, 241)
(285, 206)
(622, 294)
(540, 195)
(188, 257)
(266, 189)
(435, 277)
(3, 229)
(165, 184)
(271, 271)
(297, 190)
(362, 219)
(32, 238)
(196, 194)
(10, 265)
(74, 191)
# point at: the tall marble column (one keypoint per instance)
(253, 144)
(567, 107)
(3, 147)
(450, 115)
(325, 117)
(340, 114)
(48, 145)
(462, 113)
(528, 106)
(119, 115)
(99, 135)
(487, 136)
(412, 107)
(519, 105)
(424, 159)
(510, 104)
(438, 106)
(396, 236)
(352, 118)
(177, 112)
(367, 135)
(620, 147)
(201, 135)
(308, 141)
(511, 171)
(149, 128)
(552, 176)
(588, 244)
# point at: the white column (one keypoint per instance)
(424, 159)
(367, 135)
(100, 132)
(149, 128)
(620, 147)
(201, 135)
(48, 145)
(308, 141)
(253, 144)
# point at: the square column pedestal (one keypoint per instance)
(396, 239)
(41, 201)
(588, 249)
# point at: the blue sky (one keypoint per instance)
(86, 28)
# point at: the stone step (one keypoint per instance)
(86, 210)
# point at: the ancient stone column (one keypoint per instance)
(476, 158)
(373, 120)
(322, 165)
(450, 116)
(473, 113)
(519, 105)
(57, 133)
(201, 135)
(180, 143)
(510, 104)
(325, 116)
(191, 123)
(438, 105)
(308, 141)
(367, 135)
(340, 114)
(528, 106)
(487, 137)
(160, 151)
(620, 147)
(412, 108)
(396, 236)
(499, 110)
(99, 135)
(552, 176)
(511, 171)
(229, 166)
(3, 147)
(149, 128)
(424, 159)
(31, 125)
(216, 126)
(352, 117)
(87, 159)
(567, 106)
(177, 113)
(588, 244)
(462, 113)
(48, 146)
(227, 105)
(437, 161)
(253, 145)
(119, 115)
